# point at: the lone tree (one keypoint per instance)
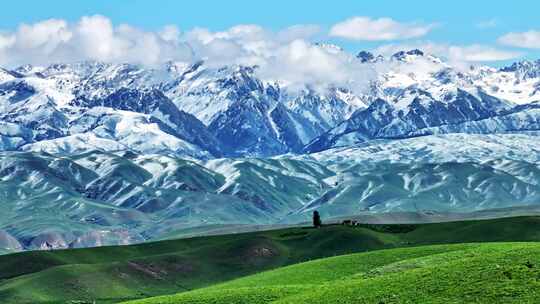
(316, 219)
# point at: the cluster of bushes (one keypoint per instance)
(393, 228)
(385, 228)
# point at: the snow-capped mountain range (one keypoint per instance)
(97, 153)
(198, 111)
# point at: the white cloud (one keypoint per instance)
(455, 54)
(530, 39)
(92, 38)
(288, 56)
(170, 33)
(47, 34)
(299, 63)
(6, 41)
(382, 29)
(95, 39)
(244, 44)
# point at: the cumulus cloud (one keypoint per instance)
(287, 56)
(241, 44)
(92, 38)
(244, 44)
(170, 33)
(298, 63)
(529, 39)
(46, 35)
(6, 41)
(455, 54)
(382, 29)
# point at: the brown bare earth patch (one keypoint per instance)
(148, 269)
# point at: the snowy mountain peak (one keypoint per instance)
(365, 56)
(28, 69)
(229, 111)
(177, 68)
(7, 75)
(413, 55)
(407, 55)
(524, 70)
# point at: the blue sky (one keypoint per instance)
(459, 15)
(460, 23)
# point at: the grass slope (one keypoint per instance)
(113, 274)
(462, 273)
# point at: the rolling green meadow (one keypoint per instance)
(485, 261)
(459, 273)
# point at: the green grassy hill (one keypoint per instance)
(462, 273)
(114, 274)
